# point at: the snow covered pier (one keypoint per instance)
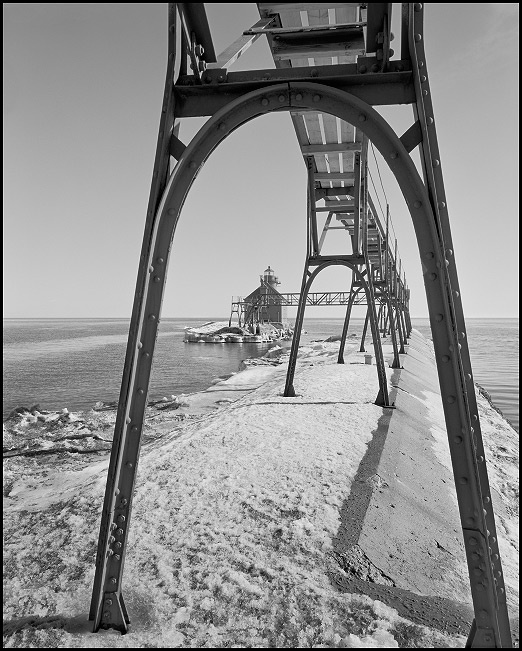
(321, 520)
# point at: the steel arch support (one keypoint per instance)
(362, 349)
(346, 324)
(444, 304)
(289, 392)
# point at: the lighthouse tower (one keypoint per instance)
(269, 278)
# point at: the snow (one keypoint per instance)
(238, 502)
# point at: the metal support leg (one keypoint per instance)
(362, 349)
(396, 360)
(353, 293)
(289, 391)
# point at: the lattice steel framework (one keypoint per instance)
(333, 60)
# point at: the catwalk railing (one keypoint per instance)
(333, 65)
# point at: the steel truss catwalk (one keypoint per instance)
(333, 65)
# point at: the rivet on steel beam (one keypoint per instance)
(140, 345)
(140, 392)
(483, 614)
(106, 615)
(430, 255)
(463, 480)
(375, 68)
(222, 126)
(417, 204)
(121, 518)
(475, 556)
(487, 499)
(123, 502)
(118, 545)
(129, 465)
(281, 98)
(423, 78)
(152, 317)
(480, 459)
(439, 317)
(442, 204)
(475, 417)
(362, 118)
(418, 38)
(134, 428)
(157, 279)
(363, 69)
(484, 511)
(451, 399)
(151, 269)
(458, 440)
(425, 93)
(110, 552)
(429, 120)
(456, 293)
(160, 260)
(108, 602)
(299, 97)
(119, 532)
(493, 539)
(436, 163)
(421, 64)
(470, 522)
(445, 358)
(146, 355)
(477, 571)
(113, 526)
(473, 541)
(117, 557)
(469, 376)
(501, 590)
(432, 276)
(192, 165)
(113, 579)
(314, 72)
(394, 155)
(221, 78)
(487, 638)
(171, 211)
(418, 6)
(111, 540)
(264, 101)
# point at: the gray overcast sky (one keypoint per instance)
(83, 85)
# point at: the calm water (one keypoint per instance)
(74, 363)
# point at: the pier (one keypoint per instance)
(333, 65)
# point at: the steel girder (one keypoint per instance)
(426, 203)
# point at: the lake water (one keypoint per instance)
(74, 363)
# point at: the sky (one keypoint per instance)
(83, 85)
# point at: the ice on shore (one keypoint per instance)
(238, 502)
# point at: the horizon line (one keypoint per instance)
(126, 318)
